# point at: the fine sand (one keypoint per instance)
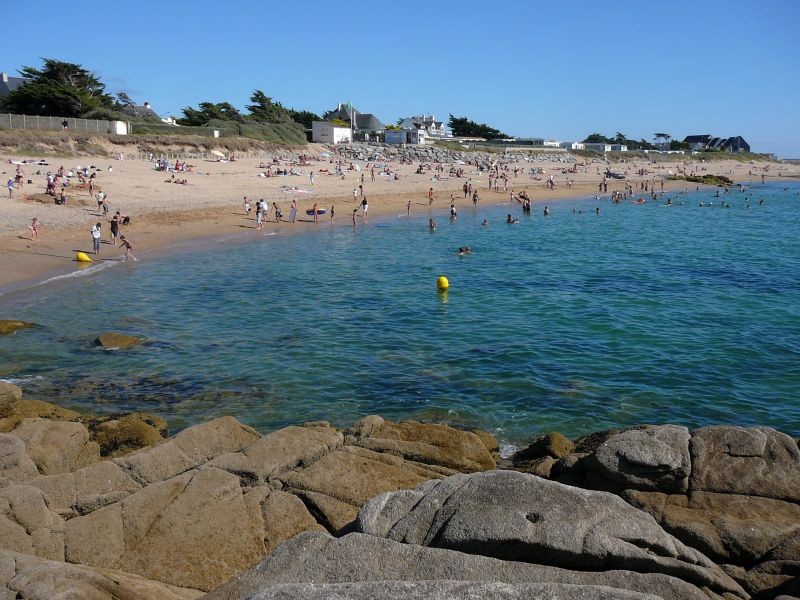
(211, 205)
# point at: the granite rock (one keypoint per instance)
(515, 516)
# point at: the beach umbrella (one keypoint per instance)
(218, 153)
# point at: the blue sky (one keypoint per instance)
(546, 69)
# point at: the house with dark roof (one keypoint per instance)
(9, 84)
(142, 111)
(697, 142)
(736, 144)
(700, 143)
(363, 124)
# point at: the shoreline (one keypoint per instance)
(217, 226)
(170, 218)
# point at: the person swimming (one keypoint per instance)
(485, 222)
(511, 221)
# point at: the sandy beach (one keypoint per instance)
(164, 214)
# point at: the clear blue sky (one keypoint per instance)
(546, 69)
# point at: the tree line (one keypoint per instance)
(642, 144)
(63, 89)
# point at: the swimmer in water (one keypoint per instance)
(432, 225)
(511, 221)
(485, 223)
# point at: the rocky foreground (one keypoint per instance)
(106, 508)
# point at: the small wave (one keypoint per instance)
(21, 380)
(102, 266)
(507, 450)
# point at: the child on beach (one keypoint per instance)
(128, 247)
(34, 227)
(10, 185)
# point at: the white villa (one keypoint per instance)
(420, 129)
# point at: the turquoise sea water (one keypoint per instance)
(575, 322)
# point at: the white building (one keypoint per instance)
(619, 148)
(597, 147)
(552, 144)
(423, 129)
(325, 132)
(572, 145)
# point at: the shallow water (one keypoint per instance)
(576, 322)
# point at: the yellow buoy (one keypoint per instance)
(83, 257)
(442, 283)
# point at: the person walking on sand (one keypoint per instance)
(408, 208)
(115, 227)
(311, 177)
(34, 227)
(364, 207)
(332, 215)
(96, 238)
(246, 203)
(128, 247)
(293, 211)
(315, 214)
(430, 196)
(10, 186)
(259, 216)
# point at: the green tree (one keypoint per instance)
(209, 111)
(304, 117)
(58, 89)
(620, 138)
(678, 145)
(124, 100)
(264, 110)
(463, 127)
(597, 138)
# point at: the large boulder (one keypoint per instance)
(29, 577)
(754, 461)
(87, 489)
(448, 590)
(515, 516)
(193, 530)
(57, 446)
(188, 449)
(279, 451)
(15, 464)
(118, 341)
(649, 458)
(728, 528)
(8, 326)
(28, 525)
(322, 559)
(13, 410)
(354, 475)
(427, 443)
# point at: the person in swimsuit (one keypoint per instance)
(128, 247)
